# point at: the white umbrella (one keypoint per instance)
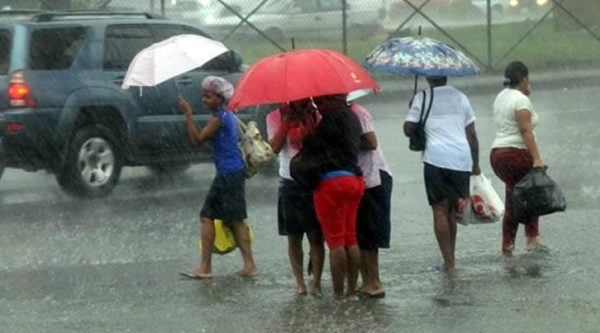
(174, 56)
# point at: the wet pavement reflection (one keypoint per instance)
(69, 265)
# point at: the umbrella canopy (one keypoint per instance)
(174, 56)
(299, 74)
(419, 56)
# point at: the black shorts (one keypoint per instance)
(226, 198)
(373, 225)
(295, 210)
(445, 184)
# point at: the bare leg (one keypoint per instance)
(532, 233)
(452, 225)
(317, 257)
(353, 263)
(338, 266)
(364, 273)
(295, 255)
(370, 264)
(207, 238)
(242, 237)
(443, 234)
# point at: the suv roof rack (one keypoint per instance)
(19, 12)
(48, 16)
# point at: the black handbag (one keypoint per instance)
(417, 140)
(305, 170)
(536, 194)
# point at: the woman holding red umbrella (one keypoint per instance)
(335, 144)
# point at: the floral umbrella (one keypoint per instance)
(419, 56)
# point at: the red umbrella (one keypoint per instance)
(299, 74)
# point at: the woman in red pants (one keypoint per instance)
(335, 144)
(514, 150)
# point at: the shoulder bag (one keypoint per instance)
(254, 149)
(417, 140)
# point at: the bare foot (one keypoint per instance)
(373, 290)
(316, 292)
(533, 243)
(249, 273)
(301, 291)
(315, 288)
(352, 297)
(507, 252)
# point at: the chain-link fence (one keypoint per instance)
(542, 33)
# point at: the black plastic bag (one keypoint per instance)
(536, 195)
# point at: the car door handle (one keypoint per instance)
(184, 81)
(118, 79)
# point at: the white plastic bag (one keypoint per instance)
(463, 211)
(487, 207)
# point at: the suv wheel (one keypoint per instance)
(92, 164)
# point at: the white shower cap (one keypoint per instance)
(218, 85)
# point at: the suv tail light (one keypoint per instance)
(19, 93)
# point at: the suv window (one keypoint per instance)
(164, 31)
(55, 48)
(123, 42)
(4, 51)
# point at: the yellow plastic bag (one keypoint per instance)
(224, 238)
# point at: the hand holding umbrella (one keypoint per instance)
(185, 106)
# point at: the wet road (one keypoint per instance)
(69, 265)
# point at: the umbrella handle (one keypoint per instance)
(177, 88)
(415, 87)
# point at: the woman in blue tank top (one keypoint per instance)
(226, 198)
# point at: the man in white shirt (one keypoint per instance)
(451, 155)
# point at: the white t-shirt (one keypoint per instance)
(287, 151)
(506, 105)
(371, 161)
(447, 146)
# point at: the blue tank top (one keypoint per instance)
(226, 154)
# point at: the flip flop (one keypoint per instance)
(440, 268)
(364, 294)
(195, 276)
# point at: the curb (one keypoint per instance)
(488, 83)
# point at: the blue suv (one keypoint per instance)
(62, 108)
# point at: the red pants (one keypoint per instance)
(336, 204)
(510, 165)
